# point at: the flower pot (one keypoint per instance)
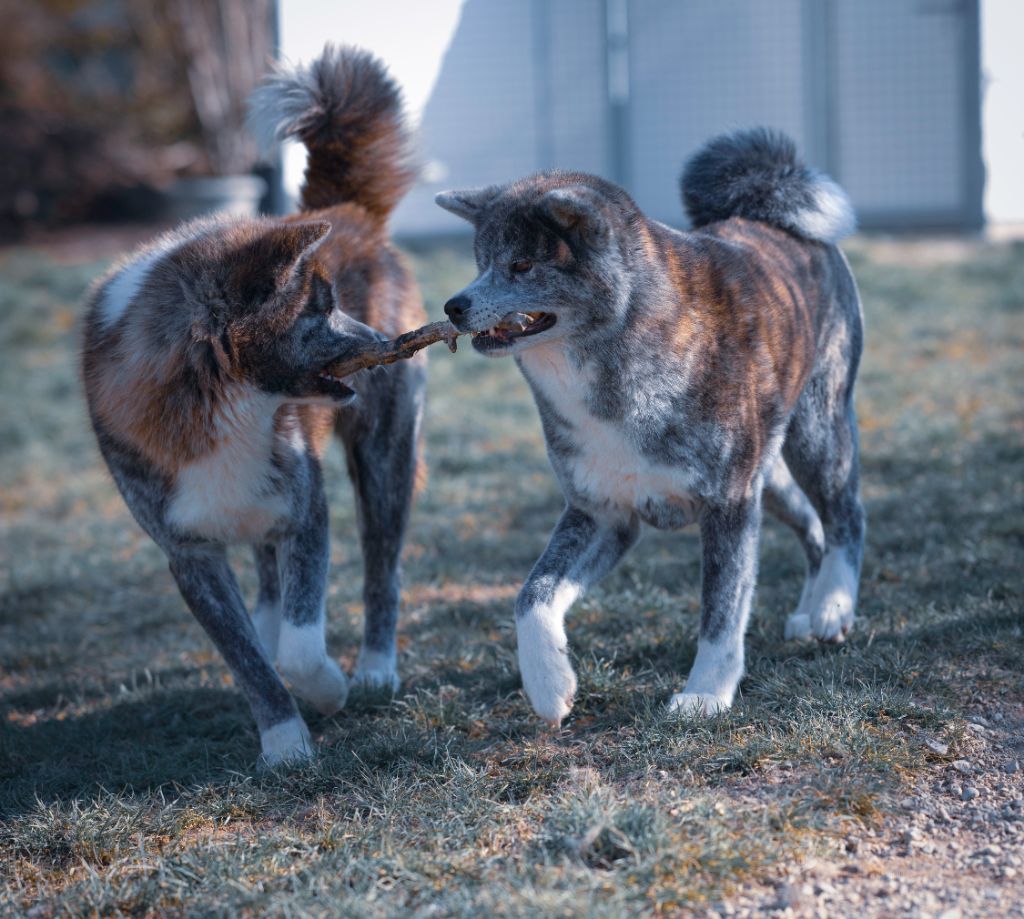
(237, 194)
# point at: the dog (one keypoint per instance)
(206, 364)
(681, 377)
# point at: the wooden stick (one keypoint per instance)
(398, 349)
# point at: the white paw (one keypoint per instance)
(548, 677)
(287, 742)
(315, 677)
(325, 688)
(798, 627)
(376, 670)
(834, 618)
(697, 704)
(834, 600)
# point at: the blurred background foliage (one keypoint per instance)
(103, 103)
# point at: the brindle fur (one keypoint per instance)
(689, 378)
(203, 387)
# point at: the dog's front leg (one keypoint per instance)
(580, 552)
(302, 647)
(211, 592)
(729, 538)
(266, 616)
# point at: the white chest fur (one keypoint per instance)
(607, 467)
(228, 494)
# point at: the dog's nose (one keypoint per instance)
(457, 306)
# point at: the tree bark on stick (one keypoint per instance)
(398, 349)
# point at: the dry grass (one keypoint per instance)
(126, 782)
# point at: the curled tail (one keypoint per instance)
(756, 174)
(347, 110)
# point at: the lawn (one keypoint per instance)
(127, 760)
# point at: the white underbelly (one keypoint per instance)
(609, 472)
(604, 467)
(610, 468)
(215, 501)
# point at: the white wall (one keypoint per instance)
(410, 36)
(1002, 127)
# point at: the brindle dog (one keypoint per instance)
(680, 377)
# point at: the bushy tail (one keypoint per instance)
(347, 110)
(756, 174)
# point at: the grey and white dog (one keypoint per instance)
(680, 378)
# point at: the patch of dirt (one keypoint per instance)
(954, 848)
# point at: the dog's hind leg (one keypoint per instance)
(266, 615)
(382, 465)
(822, 452)
(302, 649)
(580, 552)
(786, 501)
(821, 449)
(729, 538)
(211, 592)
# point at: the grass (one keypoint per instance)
(126, 758)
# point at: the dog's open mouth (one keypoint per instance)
(330, 385)
(518, 325)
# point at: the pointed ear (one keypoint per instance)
(264, 265)
(575, 210)
(469, 203)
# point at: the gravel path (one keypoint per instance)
(954, 848)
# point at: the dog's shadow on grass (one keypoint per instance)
(181, 736)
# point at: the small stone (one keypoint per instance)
(975, 728)
(1009, 872)
(969, 793)
(936, 746)
(978, 719)
(852, 844)
(953, 913)
(910, 836)
(789, 896)
(962, 766)
(1012, 767)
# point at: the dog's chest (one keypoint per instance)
(232, 494)
(598, 461)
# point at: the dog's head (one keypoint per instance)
(552, 251)
(267, 314)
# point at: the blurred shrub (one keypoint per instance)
(102, 102)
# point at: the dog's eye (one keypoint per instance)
(520, 265)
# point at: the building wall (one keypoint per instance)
(1002, 68)
(881, 93)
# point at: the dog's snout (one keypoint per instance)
(456, 308)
